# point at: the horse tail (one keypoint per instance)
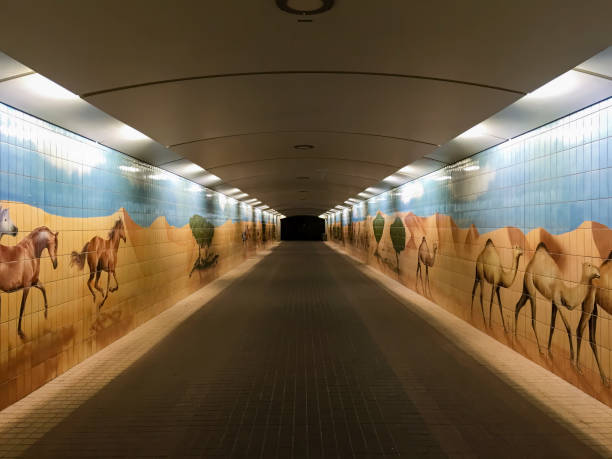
(79, 258)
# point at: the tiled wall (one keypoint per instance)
(532, 217)
(62, 195)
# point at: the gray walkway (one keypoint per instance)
(304, 356)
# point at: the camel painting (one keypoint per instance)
(489, 268)
(428, 259)
(101, 255)
(543, 275)
(600, 295)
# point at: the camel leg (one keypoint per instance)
(91, 276)
(519, 305)
(107, 290)
(501, 310)
(427, 280)
(24, 297)
(116, 287)
(553, 319)
(418, 272)
(533, 321)
(593, 343)
(484, 320)
(569, 335)
(584, 318)
(40, 287)
(473, 294)
(491, 303)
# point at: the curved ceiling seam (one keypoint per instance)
(282, 158)
(297, 131)
(287, 179)
(280, 174)
(298, 72)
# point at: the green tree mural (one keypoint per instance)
(378, 226)
(203, 232)
(398, 238)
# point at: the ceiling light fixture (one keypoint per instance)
(46, 88)
(129, 133)
(303, 147)
(129, 168)
(476, 131)
(559, 86)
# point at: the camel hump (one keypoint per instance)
(541, 245)
(489, 242)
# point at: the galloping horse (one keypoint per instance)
(6, 224)
(20, 265)
(101, 256)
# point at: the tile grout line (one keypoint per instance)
(568, 405)
(58, 398)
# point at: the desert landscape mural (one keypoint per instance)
(93, 243)
(527, 222)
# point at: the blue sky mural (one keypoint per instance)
(554, 177)
(68, 175)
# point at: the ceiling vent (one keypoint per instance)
(305, 7)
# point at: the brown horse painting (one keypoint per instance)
(101, 255)
(20, 265)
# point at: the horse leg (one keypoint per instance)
(501, 310)
(116, 287)
(553, 319)
(592, 337)
(24, 297)
(40, 287)
(107, 290)
(91, 276)
(96, 285)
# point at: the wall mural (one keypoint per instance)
(79, 220)
(101, 255)
(524, 223)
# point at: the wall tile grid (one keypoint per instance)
(163, 237)
(549, 188)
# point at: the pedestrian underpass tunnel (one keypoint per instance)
(302, 228)
(305, 228)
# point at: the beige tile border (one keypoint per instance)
(586, 417)
(30, 418)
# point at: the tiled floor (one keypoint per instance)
(302, 355)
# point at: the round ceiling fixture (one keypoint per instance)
(325, 6)
(303, 146)
(302, 177)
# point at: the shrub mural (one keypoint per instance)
(398, 238)
(203, 232)
(527, 222)
(67, 202)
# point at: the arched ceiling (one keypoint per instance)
(233, 86)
